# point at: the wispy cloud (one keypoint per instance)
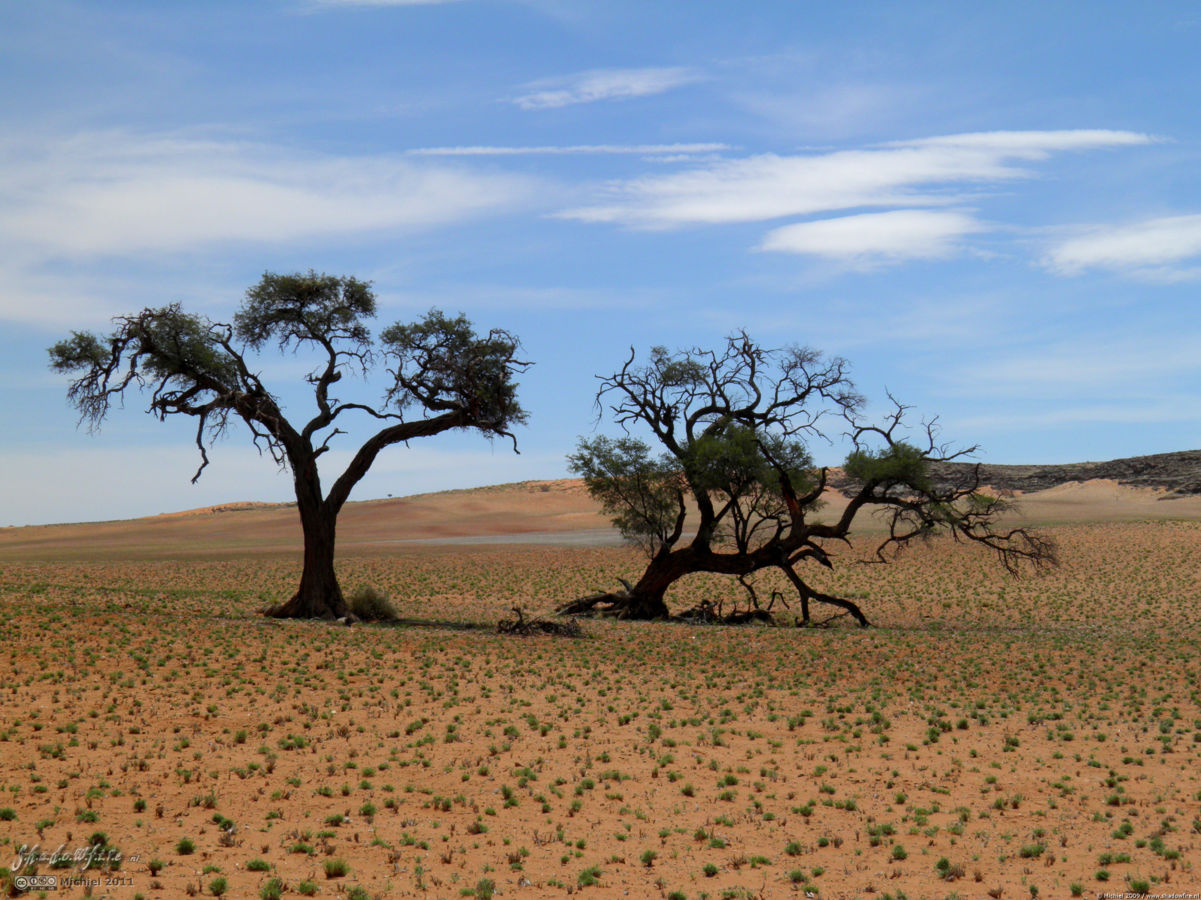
(96, 199)
(1129, 363)
(770, 186)
(603, 84)
(676, 150)
(876, 238)
(1132, 412)
(119, 193)
(1032, 144)
(1154, 248)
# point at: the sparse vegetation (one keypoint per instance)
(441, 754)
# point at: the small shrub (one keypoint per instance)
(370, 605)
(336, 868)
(185, 847)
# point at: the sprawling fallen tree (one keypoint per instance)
(734, 489)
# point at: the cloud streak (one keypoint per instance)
(603, 84)
(874, 238)
(118, 193)
(574, 149)
(770, 186)
(1154, 247)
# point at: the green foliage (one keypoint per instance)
(898, 465)
(641, 494)
(305, 308)
(180, 354)
(82, 350)
(443, 365)
(733, 460)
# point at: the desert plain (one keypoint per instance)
(987, 737)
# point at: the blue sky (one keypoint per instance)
(992, 210)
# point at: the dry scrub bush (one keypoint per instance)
(370, 605)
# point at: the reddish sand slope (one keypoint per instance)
(550, 511)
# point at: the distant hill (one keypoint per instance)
(1178, 472)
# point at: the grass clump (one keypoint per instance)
(336, 868)
(370, 605)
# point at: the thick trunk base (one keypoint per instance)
(318, 597)
(297, 608)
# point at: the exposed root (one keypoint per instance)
(605, 603)
(525, 627)
(705, 613)
(621, 605)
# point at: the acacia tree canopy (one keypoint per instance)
(734, 489)
(441, 376)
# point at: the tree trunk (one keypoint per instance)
(645, 600)
(319, 595)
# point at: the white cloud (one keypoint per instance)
(1032, 144)
(1152, 247)
(892, 236)
(603, 84)
(33, 297)
(117, 193)
(771, 186)
(680, 151)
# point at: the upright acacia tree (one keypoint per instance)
(734, 490)
(441, 376)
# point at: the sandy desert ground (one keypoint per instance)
(987, 737)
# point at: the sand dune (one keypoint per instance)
(554, 512)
